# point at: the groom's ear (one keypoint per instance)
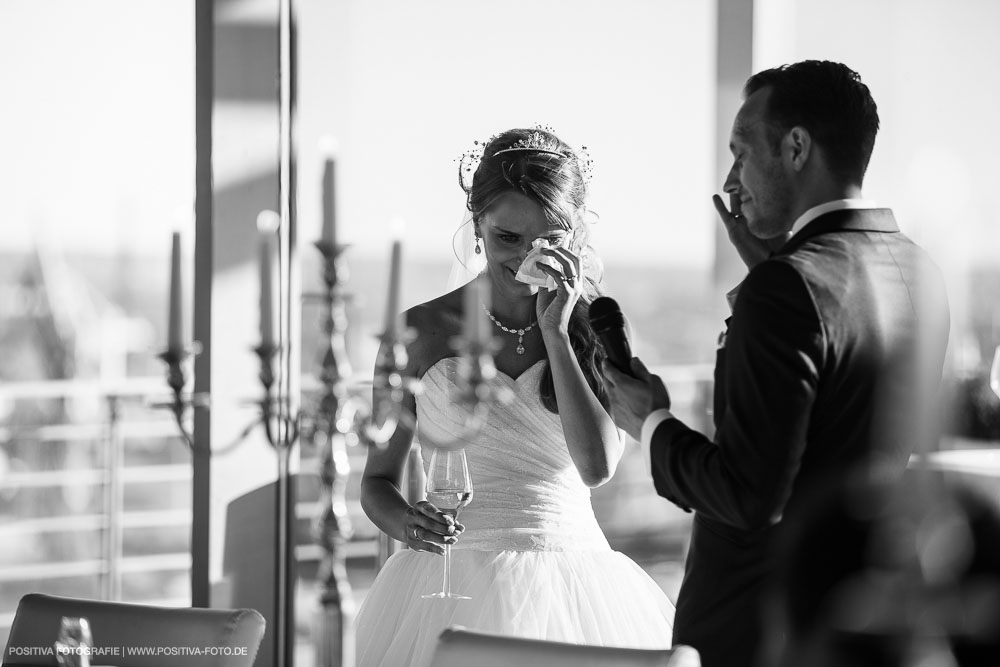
(797, 146)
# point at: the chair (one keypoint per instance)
(460, 647)
(141, 635)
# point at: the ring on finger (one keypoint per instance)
(415, 529)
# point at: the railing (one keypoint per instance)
(80, 471)
(86, 543)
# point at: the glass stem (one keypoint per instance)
(447, 570)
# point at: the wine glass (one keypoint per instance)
(449, 488)
(995, 373)
(74, 642)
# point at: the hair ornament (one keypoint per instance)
(586, 164)
(538, 142)
(468, 163)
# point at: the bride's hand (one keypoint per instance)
(429, 529)
(553, 309)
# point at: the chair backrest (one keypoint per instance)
(135, 635)
(459, 647)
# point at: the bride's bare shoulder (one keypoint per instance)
(435, 323)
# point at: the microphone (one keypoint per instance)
(608, 323)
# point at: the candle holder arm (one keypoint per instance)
(175, 358)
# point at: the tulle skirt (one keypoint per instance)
(593, 597)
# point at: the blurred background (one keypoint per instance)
(99, 136)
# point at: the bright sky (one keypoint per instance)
(98, 124)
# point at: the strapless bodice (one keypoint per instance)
(527, 493)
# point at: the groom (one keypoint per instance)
(830, 360)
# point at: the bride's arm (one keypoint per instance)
(591, 435)
(421, 525)
(381, 497)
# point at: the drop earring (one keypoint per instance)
(479, 250)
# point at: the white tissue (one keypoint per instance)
(530, 274)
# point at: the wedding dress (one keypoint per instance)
(532, 557)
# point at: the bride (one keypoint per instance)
(528, 551)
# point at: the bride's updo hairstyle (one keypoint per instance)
(540, 166)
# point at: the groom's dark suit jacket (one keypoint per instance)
(822, 370)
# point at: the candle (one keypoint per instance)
(395, 277)
(329, 210)
(477, 295)
(175, 322)
(267, 225)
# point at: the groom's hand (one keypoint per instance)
(751, 249)
(634, 397)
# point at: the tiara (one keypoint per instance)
(536, 142)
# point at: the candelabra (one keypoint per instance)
(346, 418)
(342, 418)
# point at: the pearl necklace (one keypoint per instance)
(520, 332)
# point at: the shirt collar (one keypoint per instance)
(827, 207)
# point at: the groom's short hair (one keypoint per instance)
(830, 101)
